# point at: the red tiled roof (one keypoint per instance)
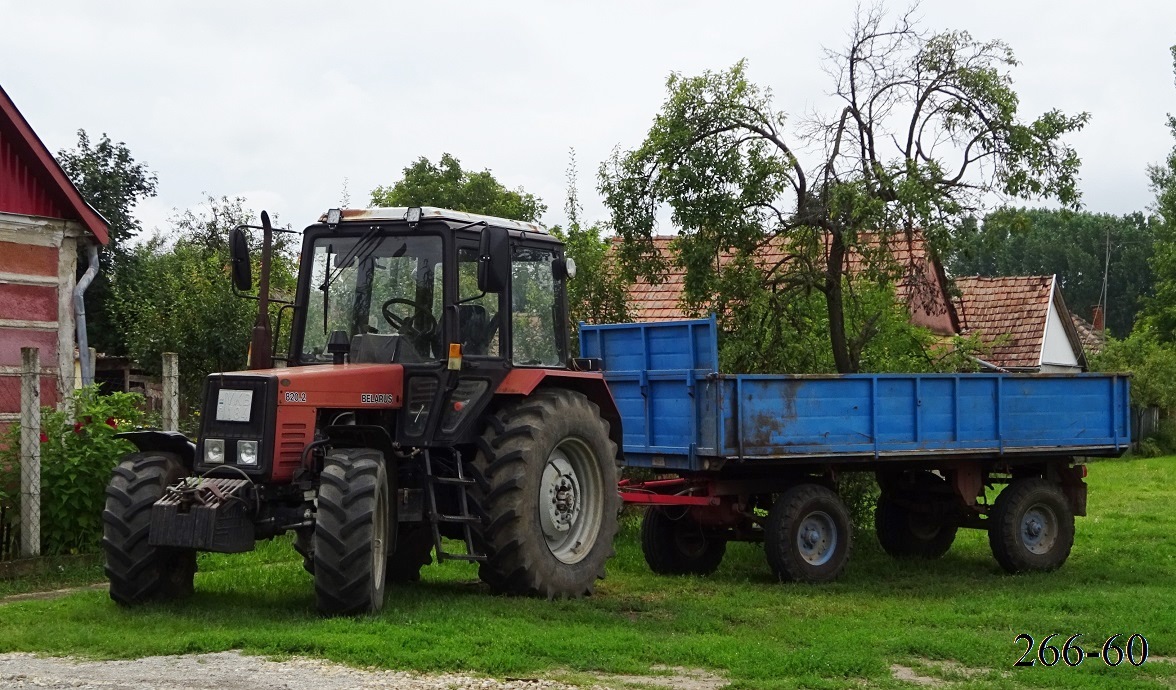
(1012, 306)
(922, 285)
(1092, 341)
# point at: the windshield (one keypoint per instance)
(386, 296)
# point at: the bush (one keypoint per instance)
(78, 453)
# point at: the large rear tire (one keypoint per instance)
(546, 480)
(138, 571)
(352, 534)
(912, 520)
(809, 535)
(1031, 526)
(675, 544)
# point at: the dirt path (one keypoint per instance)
(235, 671)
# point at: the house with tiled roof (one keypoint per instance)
(922, 285)
(1023, 319)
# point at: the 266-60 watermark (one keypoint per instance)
(1112, 652)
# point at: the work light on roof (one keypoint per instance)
(413, 215)
(334, 216)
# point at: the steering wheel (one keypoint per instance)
(405, 325)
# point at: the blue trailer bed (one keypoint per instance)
(679, 413)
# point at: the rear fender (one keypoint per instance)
(523, 382)
(163, 441)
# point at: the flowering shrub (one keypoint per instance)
(78, 453)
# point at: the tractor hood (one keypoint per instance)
(378, 386)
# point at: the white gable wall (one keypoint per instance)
(1057, 353)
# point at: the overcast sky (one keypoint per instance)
(284, 102)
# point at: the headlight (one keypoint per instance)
(214, 451)
(246, 452)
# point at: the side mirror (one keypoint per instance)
(494, 260)
(239, 264)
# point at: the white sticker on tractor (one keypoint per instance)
(233, 405)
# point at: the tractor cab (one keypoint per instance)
(458, 300)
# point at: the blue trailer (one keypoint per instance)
(758, 457)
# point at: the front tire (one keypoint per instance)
(546, 479)
(1031, 527)
(809, 535)
(352, 533)
(138, 571)
(675, 544)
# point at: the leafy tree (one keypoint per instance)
(1074, 246)
(113, 182)
(176, 295)
(1160, 310)
(928, 126)
(447, 185)
(598, 293)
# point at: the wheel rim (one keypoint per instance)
(816, 538)
(1039, 528)
(380, 537)
(571, 500)
(922, 526)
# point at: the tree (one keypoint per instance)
(598, 293)
(176, 296)
(1159, 314)
(109, 178)
(449, 186)
(928, 125)
(1073, 245)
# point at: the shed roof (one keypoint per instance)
(1016, 307)
(31, 180)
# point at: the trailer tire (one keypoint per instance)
(906, 532)
(353, 531)
(809, 535)
(414, 549)
(138, 571)
(1031, 526)
(679, 545)
(545, 478)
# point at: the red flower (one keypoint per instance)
(110, 422)
(78, 427)
(44, 437)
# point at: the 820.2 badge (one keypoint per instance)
(1072, 654)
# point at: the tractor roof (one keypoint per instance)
(432, 213)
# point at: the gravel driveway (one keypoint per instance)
(230, 671)
(235, 671)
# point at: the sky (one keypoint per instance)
(299, 105)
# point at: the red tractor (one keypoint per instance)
(428, 393)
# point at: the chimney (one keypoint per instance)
(1096, 318)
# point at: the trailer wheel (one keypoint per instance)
(675, 544)
(809, 535)
(414, 549)
(1031, 526)
(546, 479)
(139, 572)
(923, 530)
(352, 533)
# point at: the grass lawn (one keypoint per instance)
(954, 619)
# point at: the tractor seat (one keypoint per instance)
(374, 348)
(474, 330)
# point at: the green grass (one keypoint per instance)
(1121, 578)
